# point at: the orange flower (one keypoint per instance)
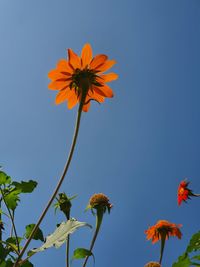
(163, 229)
(81, 79)
(153, 264)
(184, 192)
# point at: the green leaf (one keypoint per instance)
(197, 257)
(11, 243)
(183, 261)
(61, 233)
(25, 187)
(3, 252)
(38, 235)
(13, 240)
(194, 244)
(7, 263)
(4, 213)
(12, 199)
(30, 253)
(81, 253)
(4, 178)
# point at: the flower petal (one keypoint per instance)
(86, 107)
(104, 90)
(97, 61)
(98, 97)
(72, 101)
(106, 66)
(74, 59)
(55, 74)
(58, 85)
(62, 96)
(86, 55)
(109, 77)
(63, 65)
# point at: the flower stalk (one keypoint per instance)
(66, 167)
(99, 219)
(67, 245)
(101, 204)
(162, 246)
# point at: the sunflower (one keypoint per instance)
(163, 229)
(82, 79)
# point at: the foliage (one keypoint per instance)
(188, 259)
(59, 236)
(12, 245)
(37, 236)
(10, 195)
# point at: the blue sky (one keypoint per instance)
(135, 148)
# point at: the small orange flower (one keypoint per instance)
(163, 229)
(81, 78)
(184, 192)
(100, 201)
(153, 264)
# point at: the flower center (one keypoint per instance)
(181, 191)
(83, 79)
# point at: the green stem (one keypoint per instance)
(12, 220)
(12, 228)
(99, 218)
(163, 238)
(67, 244)
(0, 222)
(59, 182)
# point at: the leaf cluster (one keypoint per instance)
(191, 257)
(10, 195)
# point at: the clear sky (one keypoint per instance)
(135, 148)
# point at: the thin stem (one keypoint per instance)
(0, 223)
(12, 220)
(58, 185)
(99, 218)
(12, 228)
(67, 245)
(196, 195)
(163, 238)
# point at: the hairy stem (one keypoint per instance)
(59, 182)
(99, 218)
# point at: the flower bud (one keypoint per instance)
(100, 201)
(153, 264)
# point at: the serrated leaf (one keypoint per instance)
(12, 199)
(4, 178)
(61, 233)
(25, 187)
(81, 253)
(183, 261)
(38, 235)
(194, 244)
